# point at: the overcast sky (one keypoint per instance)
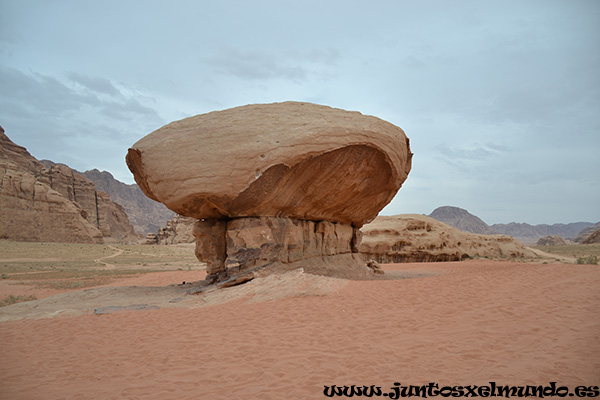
(500, 98)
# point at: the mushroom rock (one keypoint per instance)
(278, 182)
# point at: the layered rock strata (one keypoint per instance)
(418, 238)
(273, 183)
(242, 244)
(177, 230)
(32, 211)
(54, 203)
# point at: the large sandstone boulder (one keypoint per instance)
(299, 160)
(418, 238)
(274, 183)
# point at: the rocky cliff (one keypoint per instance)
(418, 238)
(54, 204)
(146, 215)
(593, 237)
(586, 232)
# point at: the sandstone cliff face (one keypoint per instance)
(99, 209)
(55, 203)
(274, 183)
(418, 238)
(32, 211)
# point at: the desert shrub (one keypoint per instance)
(12, 299)
(588, 260)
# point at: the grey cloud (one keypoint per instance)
(264, 65)
(126, 109)
(40, 93)
(37, 94)
(253, 65)
(328, 56)
(475, 152)
(413, 62)
(95, 84)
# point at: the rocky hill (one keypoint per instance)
(552, 240)
(418, 238)
(145, 214)
(461, 219)
(532, 233)
(585, 233)
(55, 203)
(593, 237)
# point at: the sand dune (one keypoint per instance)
(466, 323)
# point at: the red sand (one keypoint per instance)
(474, 322)
(153, 279)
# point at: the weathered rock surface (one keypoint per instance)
(230, 247)
(552, 240)
(32, 211)
(593, 237)
(177, 230)
(586, 232)
(298, 160)
(54, 204)
(274, 184)
(418, 238)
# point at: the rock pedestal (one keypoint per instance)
(273, 183)
(211, 246)
(231, 247)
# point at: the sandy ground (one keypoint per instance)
(465, 323)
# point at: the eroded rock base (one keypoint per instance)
(236, 246)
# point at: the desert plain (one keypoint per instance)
(117, 322)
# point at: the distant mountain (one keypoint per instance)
(526, 233)
(531, 233)
(461, 219)
(145, 214)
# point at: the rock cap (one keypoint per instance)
(290, 159)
